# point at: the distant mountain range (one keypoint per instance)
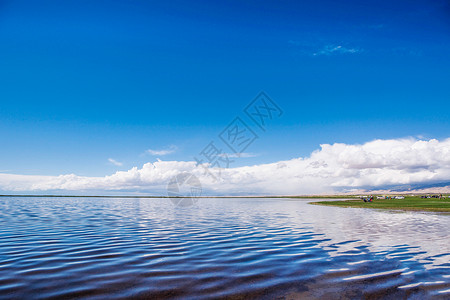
(437, 187)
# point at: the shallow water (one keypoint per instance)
(104, 248)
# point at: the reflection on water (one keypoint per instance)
(220, 248)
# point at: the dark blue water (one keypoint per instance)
(103, 248)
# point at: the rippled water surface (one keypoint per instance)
(108, 248)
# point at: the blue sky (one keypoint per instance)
(82, 82)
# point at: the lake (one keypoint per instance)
(114, 248)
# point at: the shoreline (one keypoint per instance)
(137, 196)
(409, 203)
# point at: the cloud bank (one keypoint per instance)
(332, 168)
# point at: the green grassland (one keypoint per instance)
(415, 203)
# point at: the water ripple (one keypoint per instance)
(221, 248)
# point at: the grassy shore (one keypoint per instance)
(409, 203)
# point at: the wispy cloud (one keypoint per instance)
(115, 162)
(171, 149)
(336, 49)
(316, 48)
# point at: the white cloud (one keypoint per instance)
(238, 155)
(170, 150)
(332, 168)
(316, 47)
(336, 49)
(115, 162)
